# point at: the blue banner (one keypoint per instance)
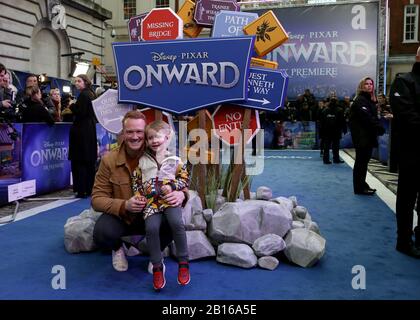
(330, 47)
(44, 156)
(266, 89)
(183, 75)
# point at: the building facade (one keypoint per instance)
(403, 36)
(48, 36)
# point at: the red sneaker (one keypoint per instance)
(183, 273)
(159, 277)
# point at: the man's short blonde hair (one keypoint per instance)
(133, 114)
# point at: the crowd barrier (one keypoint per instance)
(40, 153)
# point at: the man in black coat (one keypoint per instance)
(405, 104)
(332, 125)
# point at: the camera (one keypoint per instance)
(113, 33)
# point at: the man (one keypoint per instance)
(4, 102)
(332, 125)
(405, 104)
(112, 193)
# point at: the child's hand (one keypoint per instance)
(165, 189)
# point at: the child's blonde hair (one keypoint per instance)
(159, 125)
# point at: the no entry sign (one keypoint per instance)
(161, 24)
(228, 122)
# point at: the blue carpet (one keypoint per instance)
(359, 231)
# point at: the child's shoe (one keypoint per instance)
(159, 276)
(183, 273)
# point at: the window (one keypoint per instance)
(129, 8)
(411, 14)
(162, 3)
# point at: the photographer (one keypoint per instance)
(35, 110)
(4, 99)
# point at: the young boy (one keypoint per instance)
(157, 174)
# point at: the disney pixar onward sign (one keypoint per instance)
(183, 75)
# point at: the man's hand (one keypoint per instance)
(6, 103)
(165, 189)
(175, 198)
(135, 204)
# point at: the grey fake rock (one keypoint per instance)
(268, 262)
(192, 206)
(246, 221)
(220, 201)
(208, 214)
(253, 195)
(304, 247)
(268, 245)
(198, 246)
(313, 226)
(189, 227)
(284, 201)
(91, 214)
(78, 231)
(300, 212)
(237, 254)
(297, 224)
(199, 222)
(294, 201)
(264, 193)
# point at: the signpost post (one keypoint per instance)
(231, 123)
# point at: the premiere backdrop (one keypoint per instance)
(330, 48)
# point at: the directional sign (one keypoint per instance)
(134, 27)
(227, 124)
(161, 24)
(186, 13)
(255, 62)
(269, 32)
(205, 10)
(108, 112)
(182, 76)
(231, 23)
(267, 89)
